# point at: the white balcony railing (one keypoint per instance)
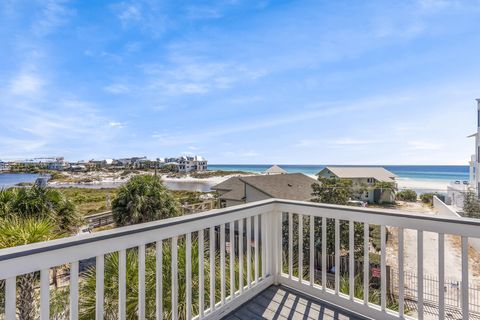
(275, 242)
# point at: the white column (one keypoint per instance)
(477, 146)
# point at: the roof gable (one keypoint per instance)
(378, 173)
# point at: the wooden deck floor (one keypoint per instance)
(278, 302)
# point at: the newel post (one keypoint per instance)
(274, 249)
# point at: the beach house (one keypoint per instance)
(275, 170)
(240, 190)
(4, 166)
(189, 163)
(364, 179)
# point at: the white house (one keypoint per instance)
(275, 170)
(58, 164)
(364, 178)
(4, 166)
(190, 164)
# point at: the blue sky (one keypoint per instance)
(292, 82)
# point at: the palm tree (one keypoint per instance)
(29, 215)
(144, 198)
(87, 296)
(16, 232)
(40, 203)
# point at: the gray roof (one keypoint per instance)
(379, 173)
(292, 186)
(228, 184)
(275, 170)
(235, 188)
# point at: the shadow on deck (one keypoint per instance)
(278, 302)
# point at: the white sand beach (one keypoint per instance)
(434, 185)
(186, 182)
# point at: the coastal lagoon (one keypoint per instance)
(11, 179)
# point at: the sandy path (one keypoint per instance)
(453, 259)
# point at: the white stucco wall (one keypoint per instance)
(446, 211)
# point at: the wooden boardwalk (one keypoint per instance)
(278, 302)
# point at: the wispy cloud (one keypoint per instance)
(117, 88)
(147, 16)
(425, 145)
(193, 75)
(130, 12)
(352, 141)
(26, 83)
(118, 125)
(341, 142)
(53, 14)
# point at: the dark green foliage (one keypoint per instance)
(407, 195)
(40, 203)
(144, 198)
(427, 198)
(471, 205)
(382, 185)
(87, 289)
(332, 190)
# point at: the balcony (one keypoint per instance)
(272, 259)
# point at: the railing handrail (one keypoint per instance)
(381, 211)
(268, 237)
(51, 245)
(19, 251)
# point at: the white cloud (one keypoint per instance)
(334, 142)
(130, 13)
(117, 88)
(118, 125)
(241, 154)
(352, 141)
(166, 139)
(424, 145)
(26, 83)
(54, 14)
(194, 75)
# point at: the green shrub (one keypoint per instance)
(471, 205)
(407, 195)
(427, 197)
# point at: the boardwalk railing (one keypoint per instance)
(207, 264)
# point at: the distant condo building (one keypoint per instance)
(189, 163)
(50, 163)
(475, 159)
(456, 190)
(179, 164)
(4, 166)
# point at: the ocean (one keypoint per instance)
(438, 173)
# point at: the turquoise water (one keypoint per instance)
(439, 173)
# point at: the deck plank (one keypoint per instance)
(281, 303)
